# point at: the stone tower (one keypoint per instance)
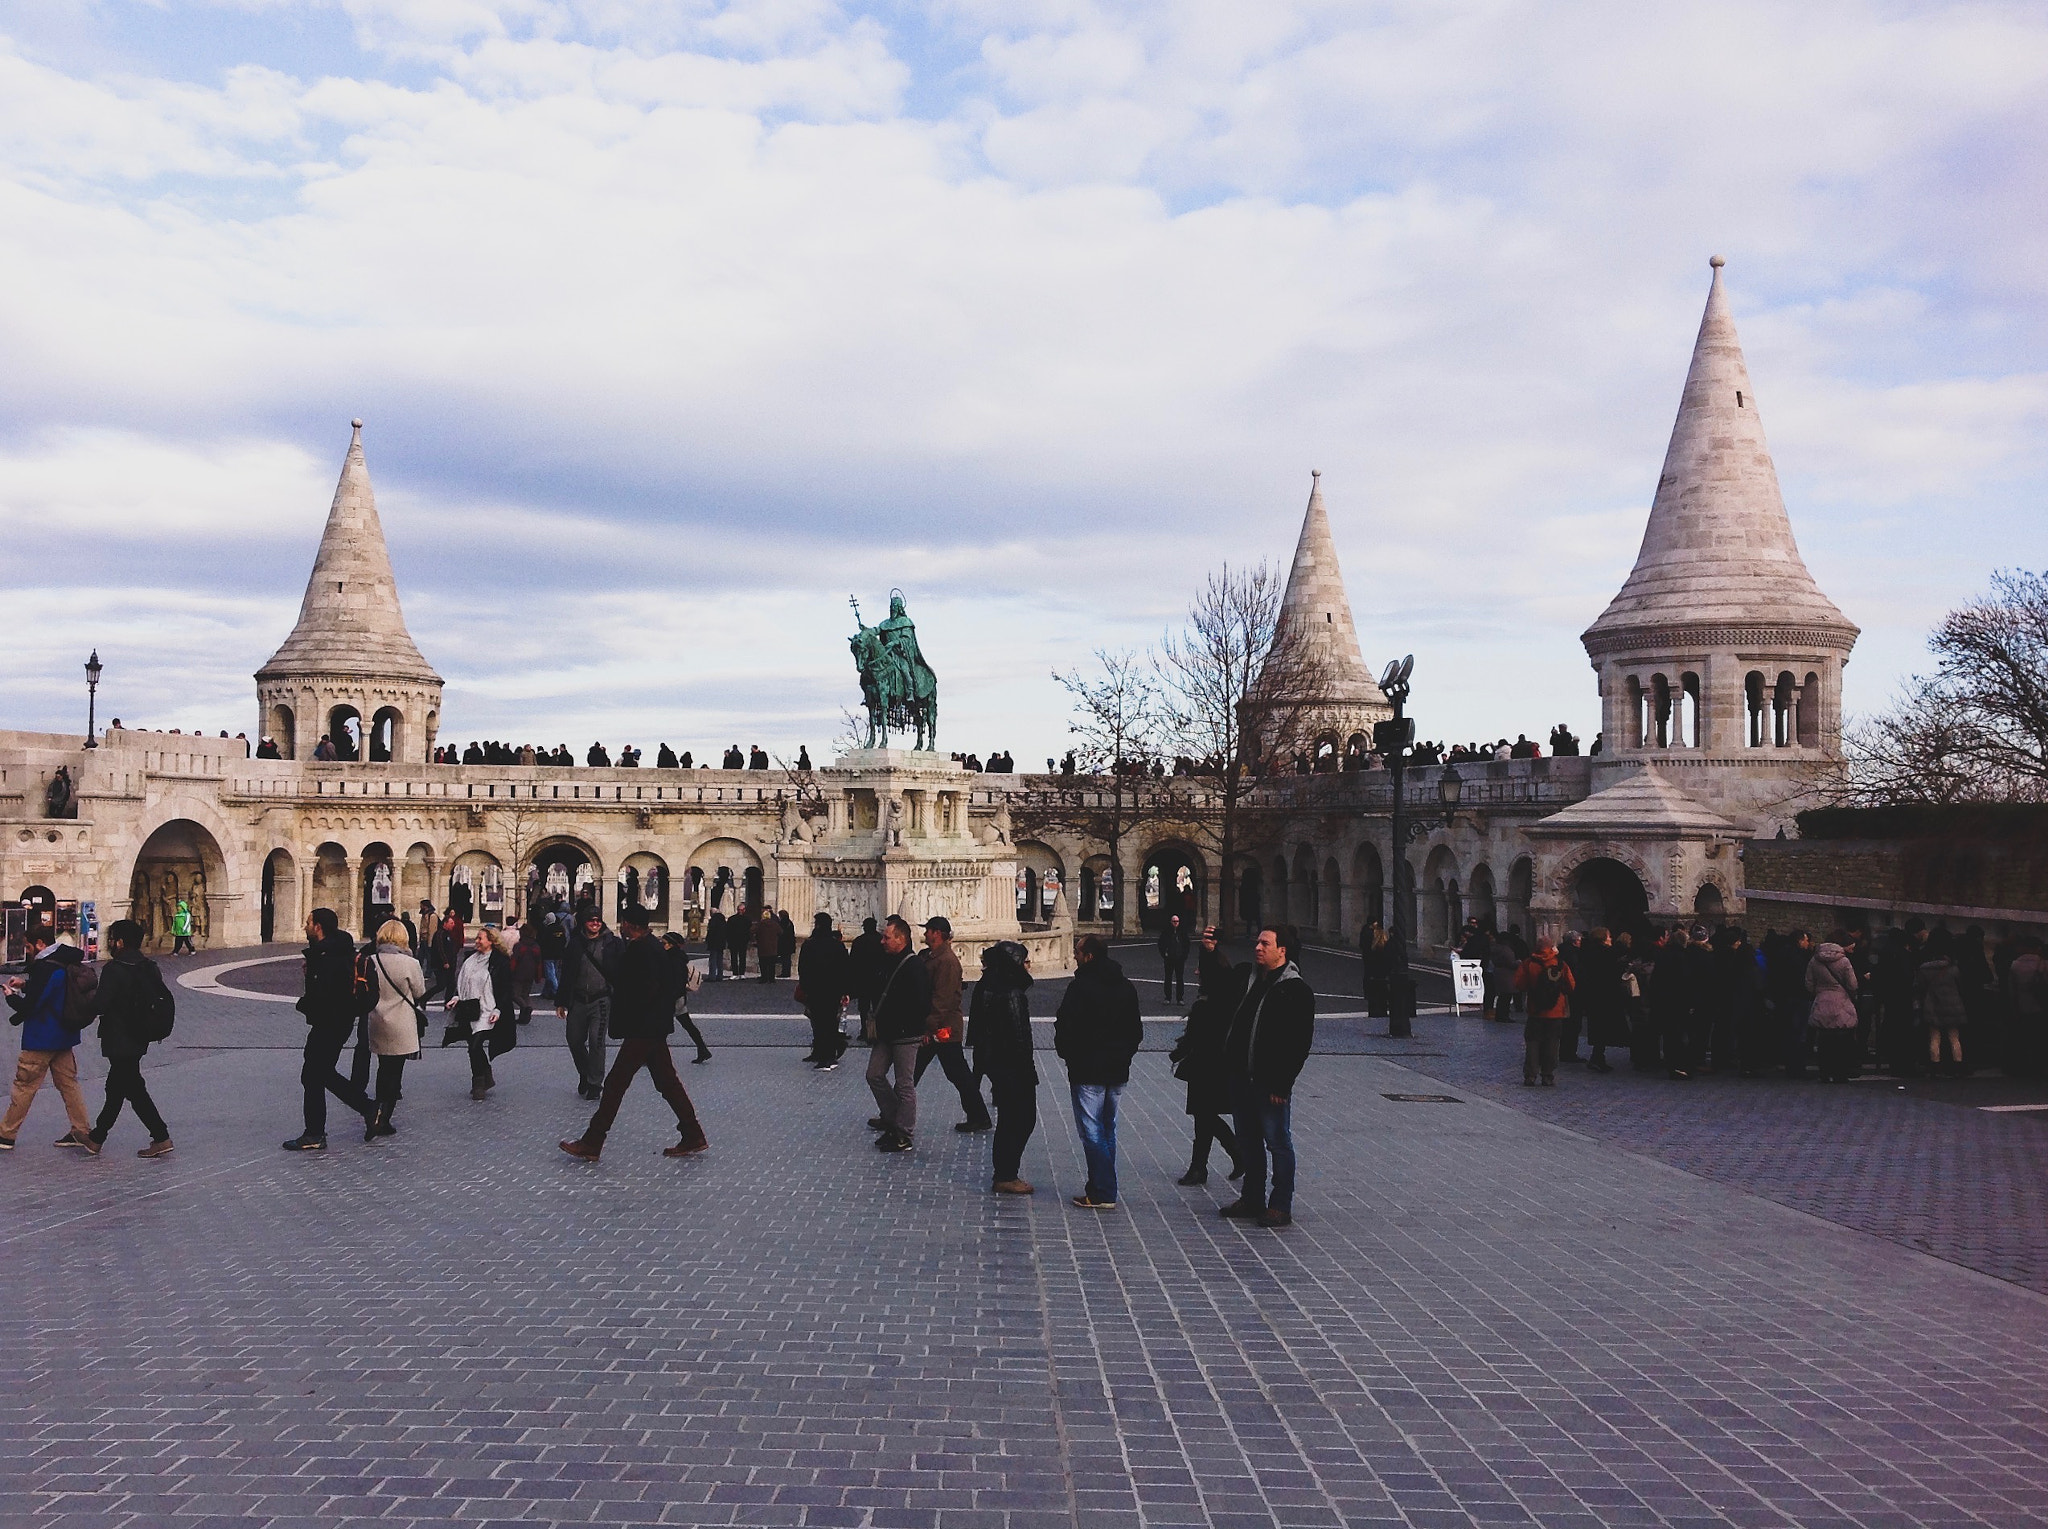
(1315, 613)
(350, 669)
(1720, 659)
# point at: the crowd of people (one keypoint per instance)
(1247, 1035)
(1911, 1001)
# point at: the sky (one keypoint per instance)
(675, 325)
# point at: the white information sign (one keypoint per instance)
(1468, 983)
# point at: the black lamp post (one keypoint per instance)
(1393, 738)
(93, 666)
(1450, 790)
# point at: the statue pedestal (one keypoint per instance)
(901, 831)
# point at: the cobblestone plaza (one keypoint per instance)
(1619, 1302)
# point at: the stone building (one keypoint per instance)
(1718, 665)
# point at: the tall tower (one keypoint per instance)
(1315, 620)
(1720, 659)
(350, 669)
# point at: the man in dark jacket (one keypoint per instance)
(821, 977)
(329, 1007)
(1272, 1028)
(49, 1040)
(739, 934)
(1173, 957)
(642, 1017)
(583, 1000)
(131, 991)
(864, 970)
(944, 1026)
(1096, 1031)
(999, 1032)
(903, 1004)
(767, 942)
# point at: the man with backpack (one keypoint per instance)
(1547, 984)
(136, 1009)
(52, 1001)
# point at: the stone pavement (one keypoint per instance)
(1479, 1317)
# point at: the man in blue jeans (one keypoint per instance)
(1096, 1032)
(1271, 1031)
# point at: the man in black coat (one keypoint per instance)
(896, 1027)
(643, 1016)
(1173, 956)
(583, 1000)
(329, 1007)
(1272, 1028)
(821, 979)
(131, 990)
(864, 970)
(999, 1034)
(1096, 1031)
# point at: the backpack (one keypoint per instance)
(159, 1011)
(365, 994)
(81, 995)
(1547, 989)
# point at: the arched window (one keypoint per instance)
(1660, 696)
(1808, 711)
(1638, 730)
(1781, 710)
(345, 732)
(1753, 699)
(1689, 732)
(386, 735)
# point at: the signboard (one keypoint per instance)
(1468, 982)
(89, 929)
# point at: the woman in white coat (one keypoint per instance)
(395, 1022)
(483, 1011)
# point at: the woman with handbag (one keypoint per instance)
(482, 1011)
(1198, 1061)
(396, 1023)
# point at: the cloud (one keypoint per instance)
(677, 323)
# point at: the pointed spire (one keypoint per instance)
(350, 621)
(1316, 607)
(1718, 548)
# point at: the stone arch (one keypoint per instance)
(1336, 917)
(282, 726)
(1604, 884)
(1438, 915)
(387, 735)
(377, 876)
(345, 731)
(416, 875)
(279, 914)
(1521, 894)
(1044, 877)
(476, 887)
(1302, 898)
(724, 869)
(1174, 880)
(330, 879)
(181, 859)
(643, 880)
(1369, 877)
(1479, 898)
(1096, 898)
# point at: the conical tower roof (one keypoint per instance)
(1718, 550)
(1316, 612)
(350, 621)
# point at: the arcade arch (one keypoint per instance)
(180, 860)
(725, 874)
(280, 913)
(1172, 882)
(643, 882)
(1606, 893)
(1369, 877)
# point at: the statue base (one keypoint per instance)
(925, 761)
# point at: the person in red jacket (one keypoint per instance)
(1547, 983)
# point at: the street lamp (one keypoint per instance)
(1450, 789)
(93, 666)
(1393, 738)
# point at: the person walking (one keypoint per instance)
(135, 1009)
(526, 972)
(554, 945)
(398, 1022)
(767, 942)
(1937, 990)
(821, 980)
(1096, 1031)
(896, 1029)
(181, 930)
(1831, 983)
(683, 978)
(45, 1008)
(1198, 1061)
(1272, 1030)
(714, 947)
(329, 1006)
(643, 1016)
(999, 1034)
(483, 1010)
(864, 971)
(943, 1026)
(1546, 983)
(583, 1001)
(1173, 957)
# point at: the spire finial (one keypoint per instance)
(1315, 472)
(355, 424)
(1716, 261)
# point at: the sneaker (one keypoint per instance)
(893, 1141)
(1192, 1177)
(1276, 1217)
(157, 1149)
(973, 1127)
(826, 1067)
(1241, 1210)
(1089, 1202)
(72, 1139)
(687, 1148)
(6, 1143)
(306, 1142)
(577, 1150)
(1011, 1187)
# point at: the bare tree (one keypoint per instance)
(1977, 729)
(1242, 690)
(518, 825)
(1116, 726)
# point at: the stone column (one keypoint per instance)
(351, 914)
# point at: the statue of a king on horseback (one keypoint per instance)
(896, 684)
